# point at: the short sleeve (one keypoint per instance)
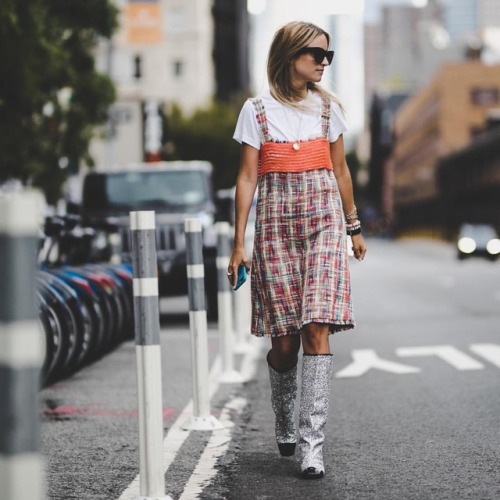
(338, 123)
(247, 129)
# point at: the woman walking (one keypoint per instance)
(292, 149)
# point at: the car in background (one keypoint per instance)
(478, 240)
(175, 191)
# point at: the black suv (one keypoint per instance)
(175, 191)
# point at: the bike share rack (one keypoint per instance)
(85, 306)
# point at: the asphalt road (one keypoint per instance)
(414, 412)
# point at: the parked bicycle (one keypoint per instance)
(85, 302)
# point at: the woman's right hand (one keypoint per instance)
(238, 257)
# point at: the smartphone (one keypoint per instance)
(242, 276)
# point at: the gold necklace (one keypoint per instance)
(296, 143)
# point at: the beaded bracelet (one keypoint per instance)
(353, 229)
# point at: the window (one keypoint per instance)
(178, 69)
(165, 189)
(485, 96)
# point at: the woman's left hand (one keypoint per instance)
(358, 246)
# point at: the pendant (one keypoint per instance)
(296, 146)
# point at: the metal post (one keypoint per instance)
(115, 245)
(225, 305)
(201, 419)
(21, 349)
(148, 355)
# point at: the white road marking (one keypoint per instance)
(176, 436)
(216, 447)
(447, 353)
(490, 352)
(363, 361)
(366, 359)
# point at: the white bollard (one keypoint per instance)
(21, 349)
(225, 306)
(201, 420)
(148, 355)
(242, 317)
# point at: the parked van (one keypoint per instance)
(175, 191)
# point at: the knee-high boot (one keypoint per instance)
(283, 395)
(314, 399)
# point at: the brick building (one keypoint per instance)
(469, 183)
(443, 118)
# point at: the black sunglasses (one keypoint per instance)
(318, 53)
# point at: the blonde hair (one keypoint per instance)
(287, 41)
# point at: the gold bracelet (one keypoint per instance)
(353, 214)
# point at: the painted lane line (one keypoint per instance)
(447, 353)
(176, 436)
(216, 447)
(366, 359)
(490, 352)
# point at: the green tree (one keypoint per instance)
(206, 135)
(51, 96)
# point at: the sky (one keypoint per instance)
(370, 8)
(373, 7)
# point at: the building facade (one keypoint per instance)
(231, 48)
(163, 50)
(443, 118)
(379, 191)
(168, 52)
(469, 184)
(488, 13)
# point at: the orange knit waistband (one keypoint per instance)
(295, 156)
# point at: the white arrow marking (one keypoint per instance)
(448, 353)
(490, 352)
(366, 359)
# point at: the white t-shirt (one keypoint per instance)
(286, 123)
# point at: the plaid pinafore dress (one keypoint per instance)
(300, 270)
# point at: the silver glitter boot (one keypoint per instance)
(314, 399)
(283, 395)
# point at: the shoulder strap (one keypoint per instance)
(325, 116)
(260, 113)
